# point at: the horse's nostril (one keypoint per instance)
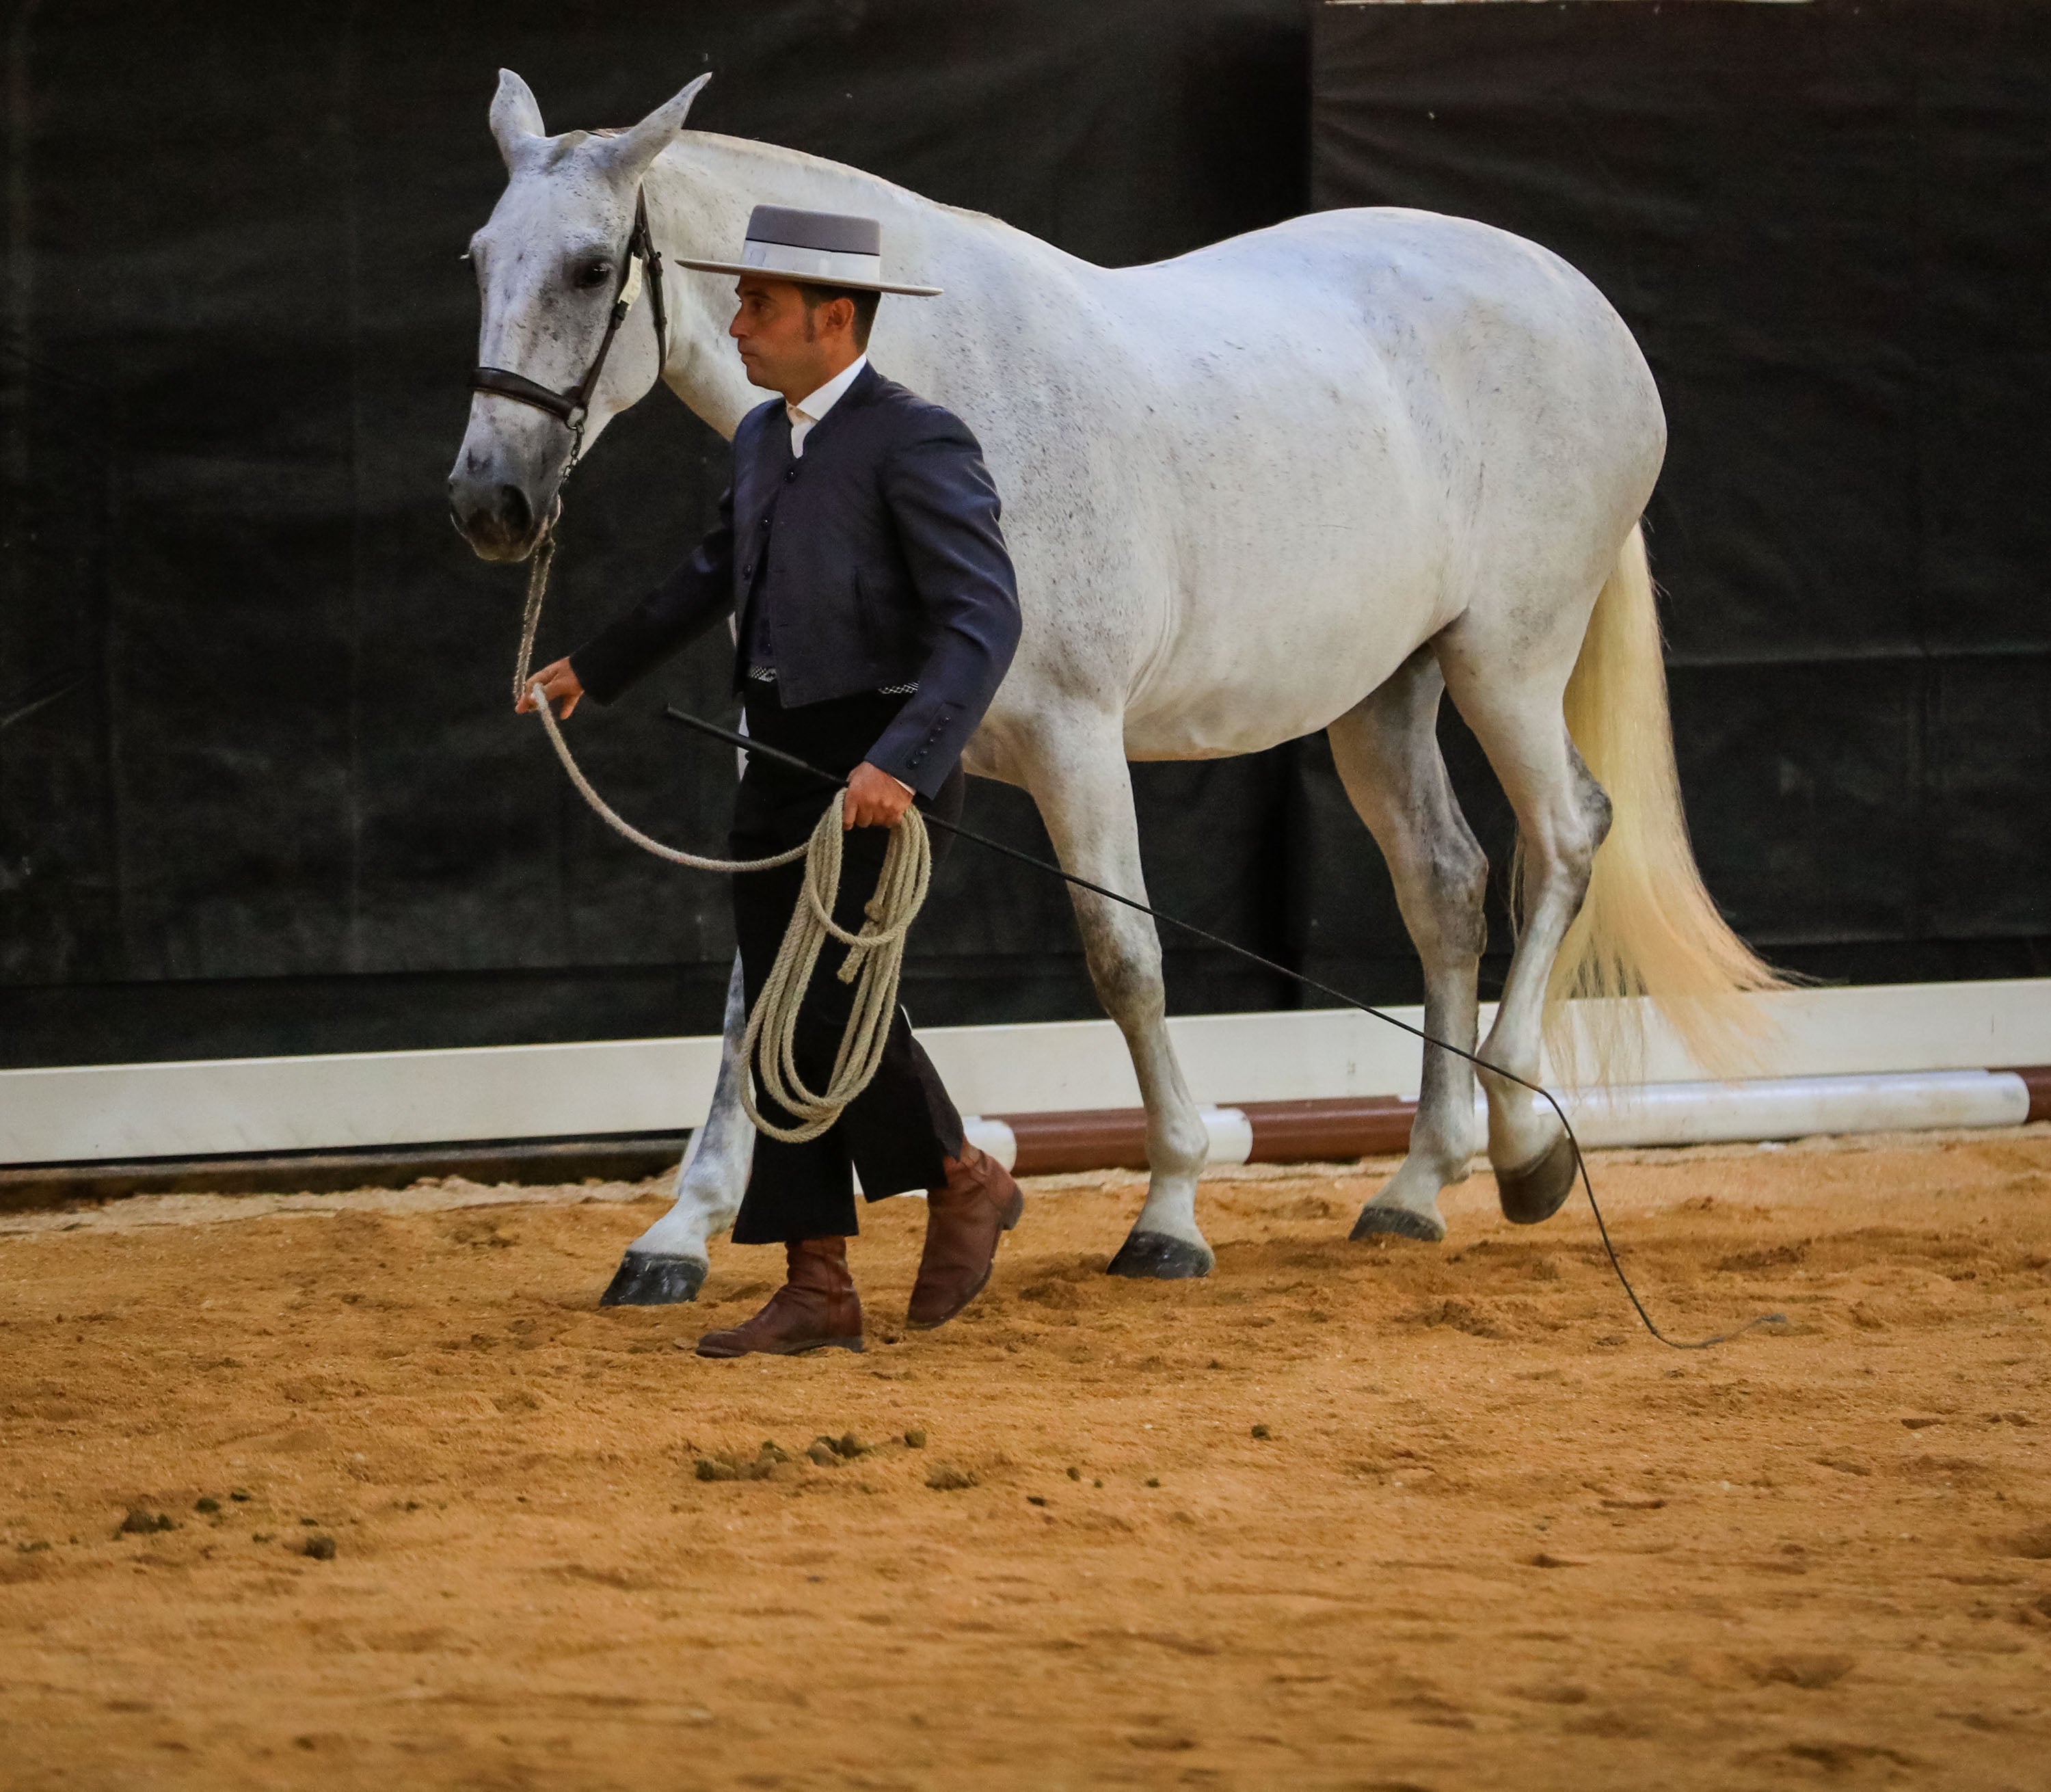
(514, 511)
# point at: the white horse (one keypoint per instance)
(1310, 477)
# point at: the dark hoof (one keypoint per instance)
(1156, 1257)
(1540, 1190)
(647, 1281)
(1391, 1221)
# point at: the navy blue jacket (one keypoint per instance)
(875, 559)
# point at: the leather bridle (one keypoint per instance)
(572, 407)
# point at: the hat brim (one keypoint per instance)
(804, 280)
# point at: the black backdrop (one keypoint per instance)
(285, 807)
(276, 803)
(1829, 226)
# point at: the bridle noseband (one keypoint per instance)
(572, 407)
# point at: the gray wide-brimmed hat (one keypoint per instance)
(825, 248)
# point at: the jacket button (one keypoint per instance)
(791, 475)
(747, 573)
(765, 523)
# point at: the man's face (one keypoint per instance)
(782, 345)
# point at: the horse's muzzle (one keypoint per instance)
(496, 518)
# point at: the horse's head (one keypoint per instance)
(548, 269)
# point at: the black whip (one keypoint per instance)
(733, 739)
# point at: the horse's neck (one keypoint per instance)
(746, 174)
(700, 193)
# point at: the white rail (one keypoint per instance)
(117, 1112)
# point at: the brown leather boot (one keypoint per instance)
(965, 1218)
(816, 1309)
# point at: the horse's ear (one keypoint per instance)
(631, 152)
(516, 120)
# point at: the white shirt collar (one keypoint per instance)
(813, 408)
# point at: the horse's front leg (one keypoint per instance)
(668, 1263)
(1079, 780)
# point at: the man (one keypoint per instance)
(858, 546)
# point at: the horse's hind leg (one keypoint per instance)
(1077, 774)
(1562, 817)
(668, 1263)
(1386, 749)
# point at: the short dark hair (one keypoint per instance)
(865, 306)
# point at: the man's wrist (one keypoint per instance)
(903, 784)
(576, 672)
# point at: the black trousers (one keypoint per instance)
(898, 1130)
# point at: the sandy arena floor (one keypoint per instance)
(1342, 1516)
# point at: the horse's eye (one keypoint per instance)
(594, 273)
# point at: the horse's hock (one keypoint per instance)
(375, 1491)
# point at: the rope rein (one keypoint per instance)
(875, 957)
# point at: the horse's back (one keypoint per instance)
(1293, 449)
(1388, 279)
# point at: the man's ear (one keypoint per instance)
(631, 152)
(516, 120)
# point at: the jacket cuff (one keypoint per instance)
(921, 755)
(891, 764)
(603, 669)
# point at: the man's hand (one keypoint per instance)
(875, 799)
(561, 685)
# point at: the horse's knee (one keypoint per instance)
(1125, 969)
(1131, 990)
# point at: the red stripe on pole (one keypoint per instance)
(1302, 1132)
(2036, 1079)
(1284, 1132)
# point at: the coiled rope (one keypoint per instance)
(875, 955)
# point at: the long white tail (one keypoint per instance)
(1648, 926)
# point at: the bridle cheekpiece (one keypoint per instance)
(572, 407)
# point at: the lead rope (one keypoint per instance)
(875, 956)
